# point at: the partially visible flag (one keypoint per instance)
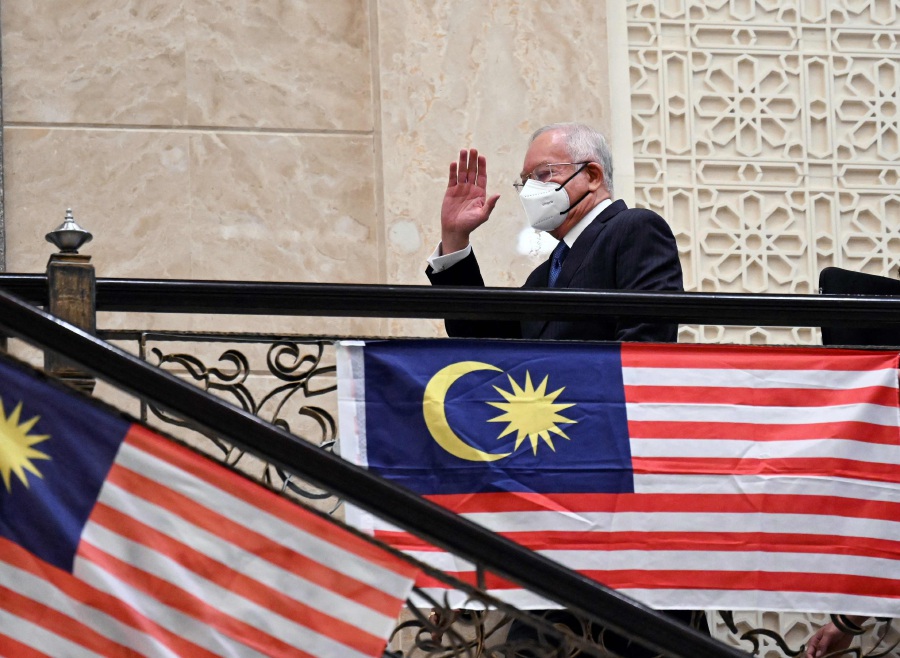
(686, 476)
(115, 541)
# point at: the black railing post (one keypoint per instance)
(72, 291)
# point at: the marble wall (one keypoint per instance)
(291, 141)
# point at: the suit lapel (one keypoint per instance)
(585, 241)
(573, 262)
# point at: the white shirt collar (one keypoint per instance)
(570, 237)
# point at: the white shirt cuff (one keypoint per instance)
(440, 263)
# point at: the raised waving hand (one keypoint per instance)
(466, 204)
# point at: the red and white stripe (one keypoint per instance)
(182, 557)
(765, 478)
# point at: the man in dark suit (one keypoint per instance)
(566, 189)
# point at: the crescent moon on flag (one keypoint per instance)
(436, 415)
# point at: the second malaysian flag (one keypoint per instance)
(115, 541)
(684, 476)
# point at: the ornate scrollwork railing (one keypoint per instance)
(448, 633)
(294, 390)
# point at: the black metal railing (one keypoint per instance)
(357, 300)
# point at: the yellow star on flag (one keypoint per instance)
(16, 451)
(531, 412)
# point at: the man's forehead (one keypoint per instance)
(548, 147)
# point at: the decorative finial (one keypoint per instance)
(69, 236)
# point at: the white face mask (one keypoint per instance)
(547, 204)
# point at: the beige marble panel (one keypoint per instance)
(94, 61)
(284, 208)
(129, 188)
(484, 75)
(299, 65)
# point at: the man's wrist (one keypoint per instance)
(453, 243)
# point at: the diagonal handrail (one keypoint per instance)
(382, 498)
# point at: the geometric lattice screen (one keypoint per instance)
(767, 132)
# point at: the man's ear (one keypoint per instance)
(596, 177)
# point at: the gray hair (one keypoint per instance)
(584, 144)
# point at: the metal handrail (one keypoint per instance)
(32, 288)
(357, 300)
(357, 485)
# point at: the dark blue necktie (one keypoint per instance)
(556, 262)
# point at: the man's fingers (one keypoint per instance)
(811, 646)
(490, 203)
(481, 177)
(472, 173)
(471, 169)
(463, 170)
(810, 651)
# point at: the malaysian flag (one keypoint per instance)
(115, 541)
(685, 476)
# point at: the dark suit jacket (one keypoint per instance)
(622, 249)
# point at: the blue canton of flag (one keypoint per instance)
(470, 416)
(51, 484)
